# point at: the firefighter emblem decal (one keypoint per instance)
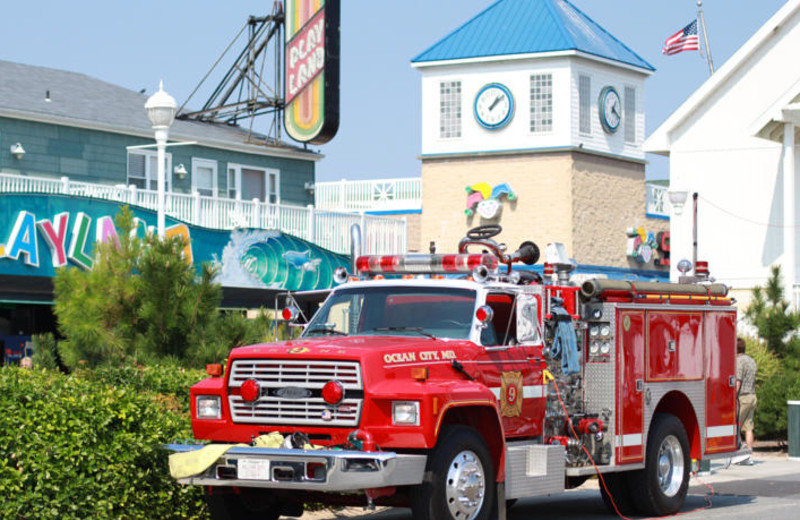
(298, 350)
(511, 394)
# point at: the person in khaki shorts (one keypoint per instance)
(746, 390)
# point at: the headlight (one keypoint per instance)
(594, 347)
(405, 412)
(605, 330)
(209, 407)
(605, 348)
(594, 331)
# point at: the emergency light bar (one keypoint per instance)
(423, 264)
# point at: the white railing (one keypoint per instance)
(372, 195)
(656, 200)
(328, 229)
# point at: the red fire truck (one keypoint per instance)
(454, 384)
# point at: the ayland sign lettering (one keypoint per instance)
(52, 232)
(23, 240)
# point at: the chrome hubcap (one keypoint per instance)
(465, 487)
(670, 466)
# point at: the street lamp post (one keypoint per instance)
(161, 108)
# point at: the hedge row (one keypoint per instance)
(88, 446)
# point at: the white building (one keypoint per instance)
(733, 142)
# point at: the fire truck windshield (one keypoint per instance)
(442, 312)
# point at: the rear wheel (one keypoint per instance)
(459, 479)
(242, 504)
(660, 488)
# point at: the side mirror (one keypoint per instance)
(290, 314)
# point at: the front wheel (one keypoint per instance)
(660, 488)
(459, 479)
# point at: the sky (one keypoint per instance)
(136, 44)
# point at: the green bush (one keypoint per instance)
(772, 409)
(81, 446)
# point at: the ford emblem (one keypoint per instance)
(293, 392)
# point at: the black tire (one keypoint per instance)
(459, 481)
(247, 504)
(620, 490)
(660, 488)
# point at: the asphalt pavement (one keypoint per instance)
(769, 489)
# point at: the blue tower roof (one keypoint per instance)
(510, 27)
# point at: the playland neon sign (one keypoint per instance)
(23, 239)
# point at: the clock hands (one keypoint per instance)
(495, 102)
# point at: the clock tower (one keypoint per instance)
(535, 109)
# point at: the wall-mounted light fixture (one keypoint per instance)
(180, 171)
(678, 199)
(17, 150)
(309, 187)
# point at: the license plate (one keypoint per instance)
(253, 469)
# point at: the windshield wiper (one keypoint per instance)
(326, 330)
(403, 329)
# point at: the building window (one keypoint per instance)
(584, 104)
(252, 182)
(541, 103)
(630, 115)
(204, 177)
(143, 169)
(233, 186)
(449, 109)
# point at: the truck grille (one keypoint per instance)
(307, 378)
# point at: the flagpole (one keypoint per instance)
(705, 37)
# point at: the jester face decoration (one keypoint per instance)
(486, 199)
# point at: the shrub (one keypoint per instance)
(73, 447)
(772, 409)
(45, 354)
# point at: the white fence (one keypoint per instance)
(373, 195)
(328, 229)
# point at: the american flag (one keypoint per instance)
(684, 40)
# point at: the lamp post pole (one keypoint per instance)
(161, 109)
(161, 146)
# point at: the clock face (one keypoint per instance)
(494, 106)
(610, 109)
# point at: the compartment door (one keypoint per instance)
(720, 332)
(630, 386)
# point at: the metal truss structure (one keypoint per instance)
(246, 91)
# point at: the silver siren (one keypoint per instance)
(340, 275)
(480, 274)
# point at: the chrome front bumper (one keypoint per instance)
(317, 470)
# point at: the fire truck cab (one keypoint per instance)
(453, 384)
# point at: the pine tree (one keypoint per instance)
(771, 315)
(141, 302)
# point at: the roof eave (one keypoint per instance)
(175, 134)
(532, 56)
